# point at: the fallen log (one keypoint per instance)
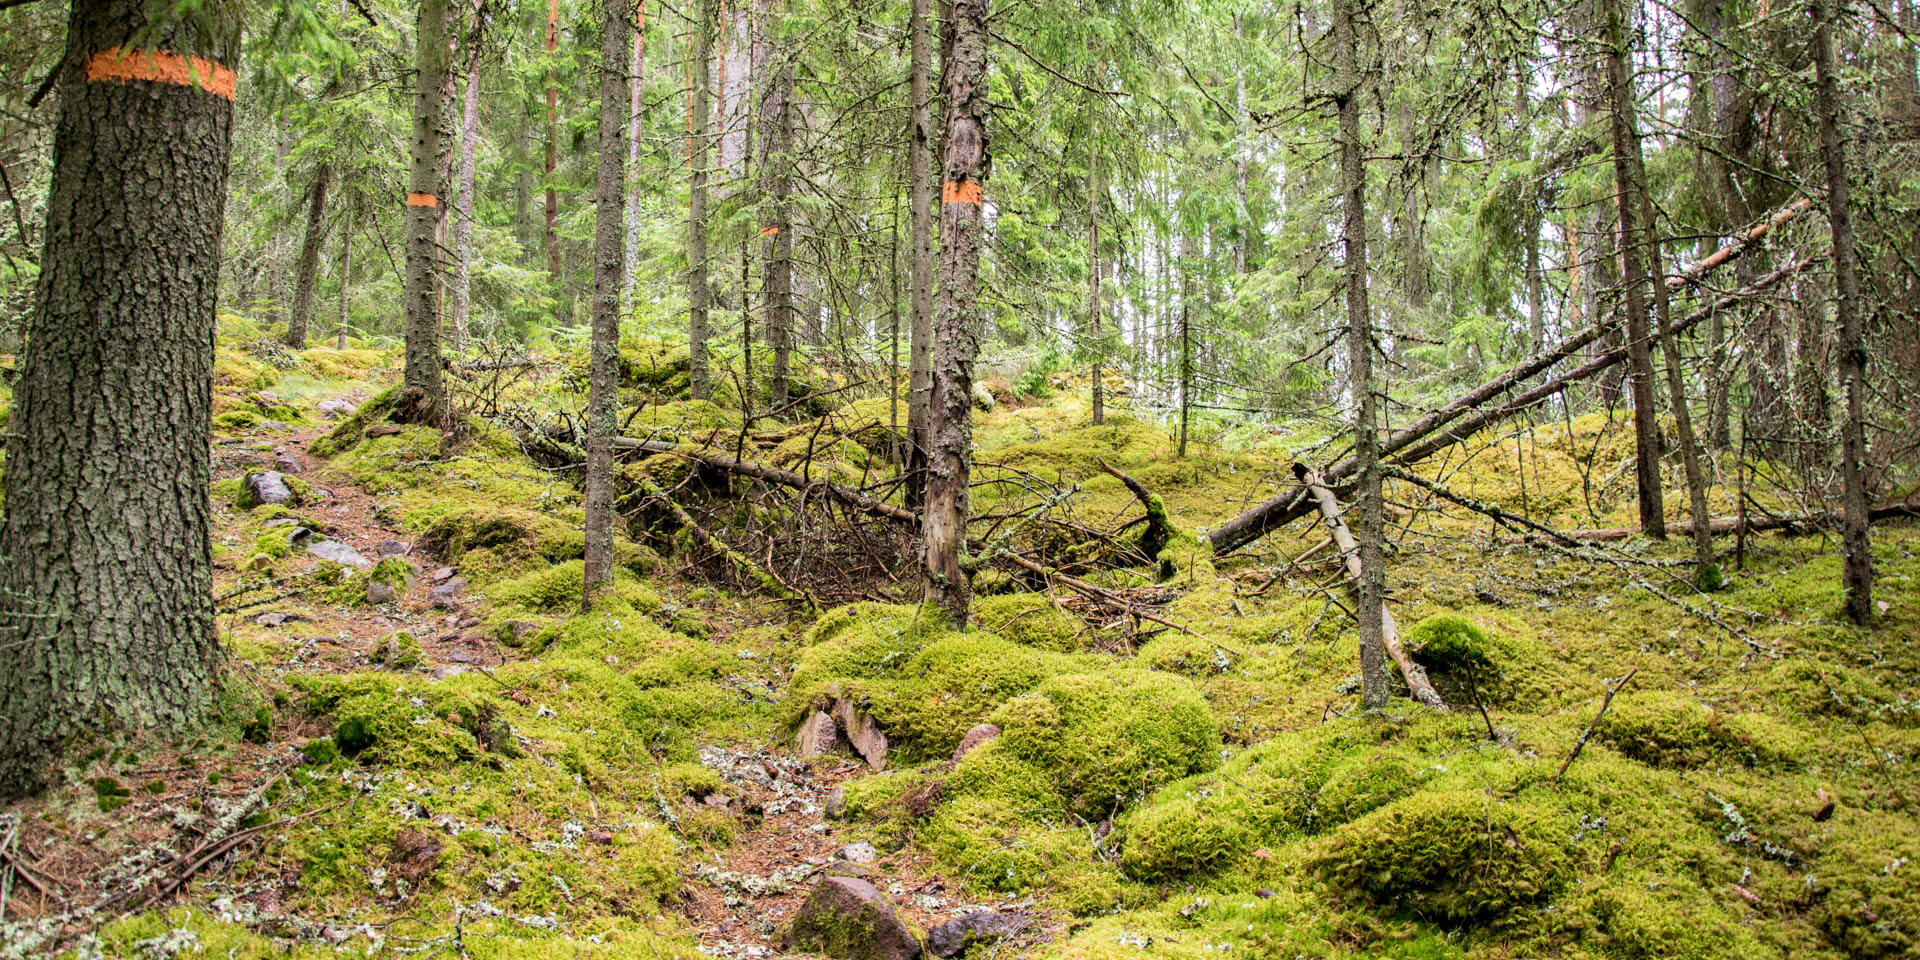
(1721, 526)
(848, 496)
(1425, 436)
(1417, 683)
(1159, 531)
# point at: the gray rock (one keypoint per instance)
(392, 548)
(836, 802)
(863, 732)
(338, 552)
(379, 593)
(841, 868)
(287, 464)
(335, 409)
(861, 852)
(446, 670)
(818, 735)
(847, 919)
(952, 938)
(443, 574)
(445, 594)
(265, 487)
(980, 734)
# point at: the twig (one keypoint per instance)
(1587, 734)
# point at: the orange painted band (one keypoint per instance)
(960, 191)
(770, 231)
(422, 200)
(161, 66)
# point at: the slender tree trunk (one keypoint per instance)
(552, 236)
(106, 573)
(776, 235)
(956, 333)
(346, 279)
(1094, 331)
(700, 135)
(463, 205)
(636, 89)
(1369, 530)
(609, 261)
(1646, 425)
(920, 240)
(1855, 549)
(309, 257)
(424, 398)
(1186, 340)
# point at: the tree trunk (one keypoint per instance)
(1856, 555)
(309, 257)
(956, 333)
(636, 88)
(1093, 269)
(609, 259)
(346, 279)
(463, 205)
(106, 589)
(920, 326)
(1370, 527)
(424, 397)
(1185, 345)
(700, 132)
(776, 233)
(1626, 144)
(552, 235)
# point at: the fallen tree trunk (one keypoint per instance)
(1417, 683)
(852, 498)
(1423, 437)
(1720, 526)
(1159, 530)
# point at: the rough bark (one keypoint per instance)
(1855, 549)
(1185, 335)
(956, 328)
(1626, 145)
(309, 257)
(463, 205)
(609, 260)
(106, 606)
(1370, 529)
(424, 391)
(551, 238)
(776, 233)
(1093, 270)
(920, 325)
(700, 134)
(346, 280)
(636, 89)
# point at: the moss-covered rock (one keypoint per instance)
(1458, 857)
(1028, 619)
(1107, 740)
(1676, 730)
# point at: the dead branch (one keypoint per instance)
(1587, 734)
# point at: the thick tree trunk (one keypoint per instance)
(1370, 527)
(309, 257)
(636, 89)
(463, 206)
(609, 239)
(106, 583)
(424, 399)
(776, 232)
(920, 324)
(1855, 549)
(956, 328)
(552, 235)
(700, 133)
(1626, 145)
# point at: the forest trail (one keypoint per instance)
(737, 901)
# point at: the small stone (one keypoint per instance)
(446, 670)
(287, 464)
(335, 409)
(818, 734)
(861, 852)
(459, 655)
(863, 732)
(265, 487)
(445, 594)
(847, 919)
(383, 430)
(980, 734)
(378, 593)
(952, 938)
(719, 800)
(274, 426)
(599, 836)
(841, 868)
(392, 548)
(836, 802)
(338, 552)
(443, 574)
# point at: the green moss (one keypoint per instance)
(399, 651)
(1642, 915)
(1457, 857)
(353, 428)
(1867, 884)
(1028, 619)
(1108, 740)
(1673, 729)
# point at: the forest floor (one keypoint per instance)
(472, 767)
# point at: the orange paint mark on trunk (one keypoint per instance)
(960, 191)
(770, 231)
(422, 200)
(161, 66)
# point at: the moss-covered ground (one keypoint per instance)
(487, 771)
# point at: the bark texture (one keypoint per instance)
(1856, 556)
(920, 324)
(309, 257)
(463, 207)
(1626, 145)
(636, 88)
(106, 606)
(609, 252)
(700, 135)
(552, 235)
(956, 328)
(424, 394)
(776, 233)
